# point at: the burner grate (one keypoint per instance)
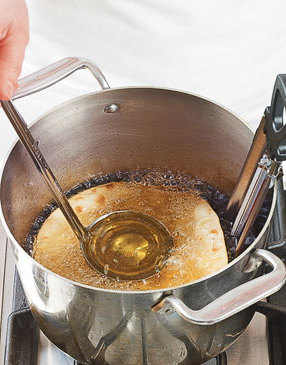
(221, 359)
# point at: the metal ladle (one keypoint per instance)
(124, 245)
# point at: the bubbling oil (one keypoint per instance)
(167, 183)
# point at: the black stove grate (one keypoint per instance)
(221, 359)
(22, 339)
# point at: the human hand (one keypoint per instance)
(14, 36)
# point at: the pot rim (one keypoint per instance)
(117, 291)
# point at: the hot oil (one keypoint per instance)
(166, 187)
(129, 245)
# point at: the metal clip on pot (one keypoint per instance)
(262, 166)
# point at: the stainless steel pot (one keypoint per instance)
(122, 129)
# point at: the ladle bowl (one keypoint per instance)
(124, 245)
(127, 245)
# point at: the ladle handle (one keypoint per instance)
(233, 301)
(55, 72)
(31, 84)
(32, 147)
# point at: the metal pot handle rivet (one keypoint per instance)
(235, 300)
(112, 108)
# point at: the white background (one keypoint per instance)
(227, 50)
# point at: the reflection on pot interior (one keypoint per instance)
(178, 201)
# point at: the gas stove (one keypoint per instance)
(262, 343)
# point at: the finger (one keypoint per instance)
(11, 58)
(12, 51)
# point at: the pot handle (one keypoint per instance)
(55, 72)
(234, 300)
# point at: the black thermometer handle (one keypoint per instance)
(275, 127)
